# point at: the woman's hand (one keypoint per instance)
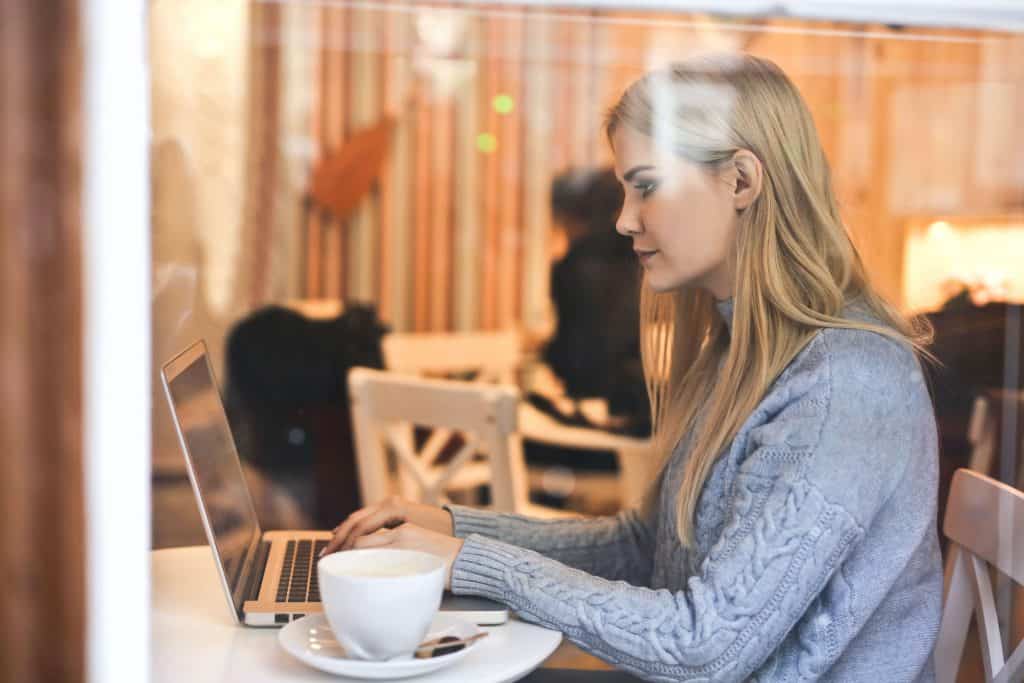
(412, 537)
(388, 513)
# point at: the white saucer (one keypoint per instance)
(298, 639)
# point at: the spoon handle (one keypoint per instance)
(436, 642)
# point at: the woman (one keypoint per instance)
(790, 533)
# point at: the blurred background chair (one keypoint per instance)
(497, 357)
(480, 419)
(984, 523)
(481, 356)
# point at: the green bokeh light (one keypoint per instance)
(503, 103)
(486, 142)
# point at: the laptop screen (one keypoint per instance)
(210, 450)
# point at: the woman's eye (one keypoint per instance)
(646, 188)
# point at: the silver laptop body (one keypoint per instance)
(269, 578)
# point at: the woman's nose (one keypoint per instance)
(628, 223)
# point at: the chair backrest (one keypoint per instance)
(985, 524)
(495, 356)
(386, 406)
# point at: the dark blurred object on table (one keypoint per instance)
(287, 401)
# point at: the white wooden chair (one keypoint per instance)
(985, 525)
(494, 356)
(497, 357)
(386, 407)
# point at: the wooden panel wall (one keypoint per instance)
(914, 121)
(265, 89)
(41, 503)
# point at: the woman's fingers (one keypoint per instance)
(353, 519)
(332, 546)
(378, 539)
(342, 531)
(361, 523)
(390, 512)
(369, 524)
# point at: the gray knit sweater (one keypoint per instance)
(816, 554)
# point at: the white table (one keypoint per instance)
(195, 640)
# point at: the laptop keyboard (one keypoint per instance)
(298, 581)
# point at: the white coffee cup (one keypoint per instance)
(379, 601)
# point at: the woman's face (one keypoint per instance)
(682, 219)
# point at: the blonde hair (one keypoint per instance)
(796, 266)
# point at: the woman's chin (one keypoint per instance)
(662, 285)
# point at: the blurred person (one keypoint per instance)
(789, 531)
(595, 348)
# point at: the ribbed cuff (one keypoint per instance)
(467, 520)
(481, 567)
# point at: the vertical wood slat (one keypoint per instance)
(396, 199)
(386, 205)
(509, 157)
(588, 107)
(264, 86)
(440, 282)
(312, 234)
(537, 117)
(883, 236)
(360, 236)
(422, 221)
(41, 471)
(616, 63)
(336, 104)
(492, 29)
(467, 241)
(853, 145)
(563, 91)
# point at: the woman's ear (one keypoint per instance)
(747, 178)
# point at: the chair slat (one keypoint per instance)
(987, 618)
(435, 444)
(985, 522)
(412, 465)
(1013, 670)
(452, 467)
(956, 618)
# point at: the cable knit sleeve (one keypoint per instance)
(811, 481)
(614, 548)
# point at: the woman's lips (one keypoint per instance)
(645, 255)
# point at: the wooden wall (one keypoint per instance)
(41, 502)
(915, 122)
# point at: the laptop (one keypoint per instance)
(269, 578)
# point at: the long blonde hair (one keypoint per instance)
(796, 266)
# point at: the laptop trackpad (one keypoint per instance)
(480, 611)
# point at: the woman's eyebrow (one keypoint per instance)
(628, 175)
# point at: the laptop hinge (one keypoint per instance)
(252, 588)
